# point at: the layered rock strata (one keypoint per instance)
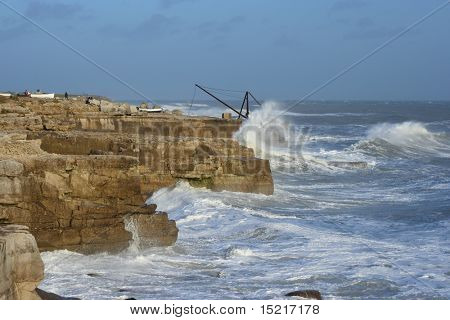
(75, 202)
(74, 174)
(218, 164)
(21, 266)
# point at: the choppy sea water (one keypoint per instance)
(361, 210)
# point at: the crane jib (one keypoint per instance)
(245, 102)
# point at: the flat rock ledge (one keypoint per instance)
(74, 173)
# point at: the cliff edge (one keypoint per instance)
(74, 173)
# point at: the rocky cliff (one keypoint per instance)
(74, 202)
(21, 266)
(75, 174)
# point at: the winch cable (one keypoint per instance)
(192, 101)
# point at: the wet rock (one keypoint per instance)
(44, 295)
(93, 274)
(305, 294)
(152, 229)
(349, 164)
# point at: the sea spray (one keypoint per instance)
(316, 230)
(264, 131)
(273, 137)
(410, 137)
(131, 227)
(402, 134)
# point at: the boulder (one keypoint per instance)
(108, 107)
(305, 294)
(94, 102)
(124, 108)
(134, 109)
(44, 295)
(151, 229)
(349, 164)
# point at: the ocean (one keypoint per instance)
(361, 210)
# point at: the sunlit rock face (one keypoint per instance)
(73, 172)
(21, 266)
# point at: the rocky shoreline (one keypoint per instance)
(76, 174)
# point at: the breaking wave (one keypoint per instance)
(274, 138)
(314, 231)
(404, 139)
(265, 132)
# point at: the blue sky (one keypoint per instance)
(278, 49)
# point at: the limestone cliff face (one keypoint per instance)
(169, 147)
(76, 202)
(218, 164)
(74, 175)
(21, 266)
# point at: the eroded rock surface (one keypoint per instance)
(73, 172)
(217, 164)
(21, 266)
(75, 202)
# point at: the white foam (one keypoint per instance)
(130, 226)
(411, 136)
(241, 252)
(234, 245)
(273, 138)
(341, 114)
(264, 131)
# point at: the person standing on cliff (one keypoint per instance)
(66, 96)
